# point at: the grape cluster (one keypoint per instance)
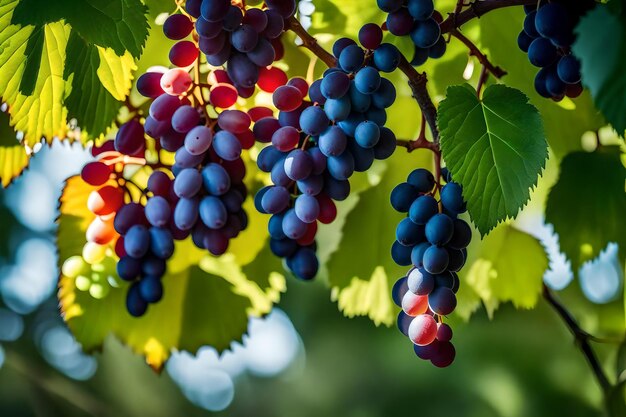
(433, 240)
(246, 40)
(419, 20)
(94, 271)
(547, 37)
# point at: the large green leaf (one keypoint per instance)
(564, 122)
(601, 48)
(117, 24)
(499, 274)
(587, 204)
(361, 271)
(207, 300)
(13, 156)
(39, 70)
(494, 147)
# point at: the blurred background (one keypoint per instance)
(304, 359)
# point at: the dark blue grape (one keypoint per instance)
(186, 213)
(349, 125)
(403, 322)
(216, 179)
(359, 101)
(426, 33)
(158, 211)
(367, 80)
(161, 242)
(461, 236)
(524, 41)
(568, 69)
(438, 49)
(298, 165)
(137, 241)
(242, 70)
(128, 268)
(208, 30)
(423, 209)
(336, 189)
(151, 265)
(389, 6)
(226, 145)
(555, 86)
(385, 96)
(283, 248)
(401, 254)
(457, 260)
(400, 22)
(442, 301)
(529, 25)
(275, 200)
(293, 227)
(151, 289)
(213, 213)
(315, 92)
(439, 229)
(312, 185)
(363, 157)
(313, 120)
(275, 226)
(341, 44)
(409, 233)
(420, 56)
(351, 58)
(420, 282)
(304, 264)
(263, 53)
(338, 109)
(307, 208)
(333, 141)
(540, 83)
(367, 134)
(421, 9)
(135, 304)
(233, 19)
(335, 85)
(193, 7)
(214, 10)
(452, 198)
(188, 183)
(402, 196)
(386, 145)
(553, 21)
(435, 260)
(422, 179)
(341, 167)
(387, 57)
(399, 289)
(417, 254)
(541, 52)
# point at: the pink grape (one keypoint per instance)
(414, 304)
(234, 121)
(423, 329)
(95, 173)
(176, 81)
(287, 98)
(223, 95)
(183, 53)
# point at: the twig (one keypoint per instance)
(476, 10)
(482, 58)
(581, 338)
(310, 42)
(482, 79)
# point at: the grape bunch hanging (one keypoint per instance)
(547, 37)
(433, 240)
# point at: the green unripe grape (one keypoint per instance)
(99, 290)
(74, 266)
(97, 277)
(94, 253)
(82, 283)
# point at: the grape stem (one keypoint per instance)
(309, 41)
(581, 339)
(476, 10)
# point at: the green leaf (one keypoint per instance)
(587, 204)
(499, 274)
(564, 122)
(361, 271)
(13, 156)
(207, 300)
(495, 148)
(601, 48)
(117, 24)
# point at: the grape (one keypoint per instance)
(359, 102)
(387, 57)
(151, 265)
(161, 242)
(313, 121)
(130, 138)
(272, 78)
(135, 304)
(275, 200)
(298, 165)
(386, 145)
(425, 352)
(162, 109)
(307, 208)
(370, 36)
(333, 141)
(286, 8)
(218, 58)
(338, 109)
(541, 52)
(245, 38)
(159, 183)
(400, 22)
(304, 263)
(186, 213)
(442, 301)
(443, 355)
(554, 85)
(417, 254)
(420, 282)
(95, 173)
(234, 121)
(226, 145)
(423, 209)
(414, 304)
(403, 322)
(529, 25)
(367, 80)
(401, 254)
(149, 84)
(185, 118)
(198, 140)
(93, 253)
(423, 330)
(223, 95)
(291, 118)
(128, 268)
(151, 289)
(363, 157)
(263, 53)
(183, 54)
(420, 56)
(568, 69)
(421, 9)
(286, 138)
(287, 98)
(105, 200)
(258, 113)
(425, 33)
(540, 83)
(275, 24)
(212, 212)
(214, 10)
(193, 7)
(215, 46)
(552, 21)
(444, 332)
(175, 82)
(524, 41)
(409, 233)
(439, 229)
(456, 260)
(399, 289)
(208, 30)
(216, 179)
(158, 211)
(319, 160)
(128, 216)
(438, 49)
(389, 5)
(328, 209)
(137, 241)
(452, 198)
(403, 196)
(335, 85)
(435, 260)
(264, 129)
(341, 167)
(462, 235)
(233, 19)
(293, 227)
(74, 266)
(156, 129)
(242, 71)
(367, 134)
(385, 96)
(279, 176)
(172, 140)
(422, 180)
(177, 26)
(351, 58)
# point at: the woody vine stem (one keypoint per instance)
(464, 12)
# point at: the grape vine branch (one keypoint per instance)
(417, 82)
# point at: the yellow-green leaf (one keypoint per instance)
(13, 156)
